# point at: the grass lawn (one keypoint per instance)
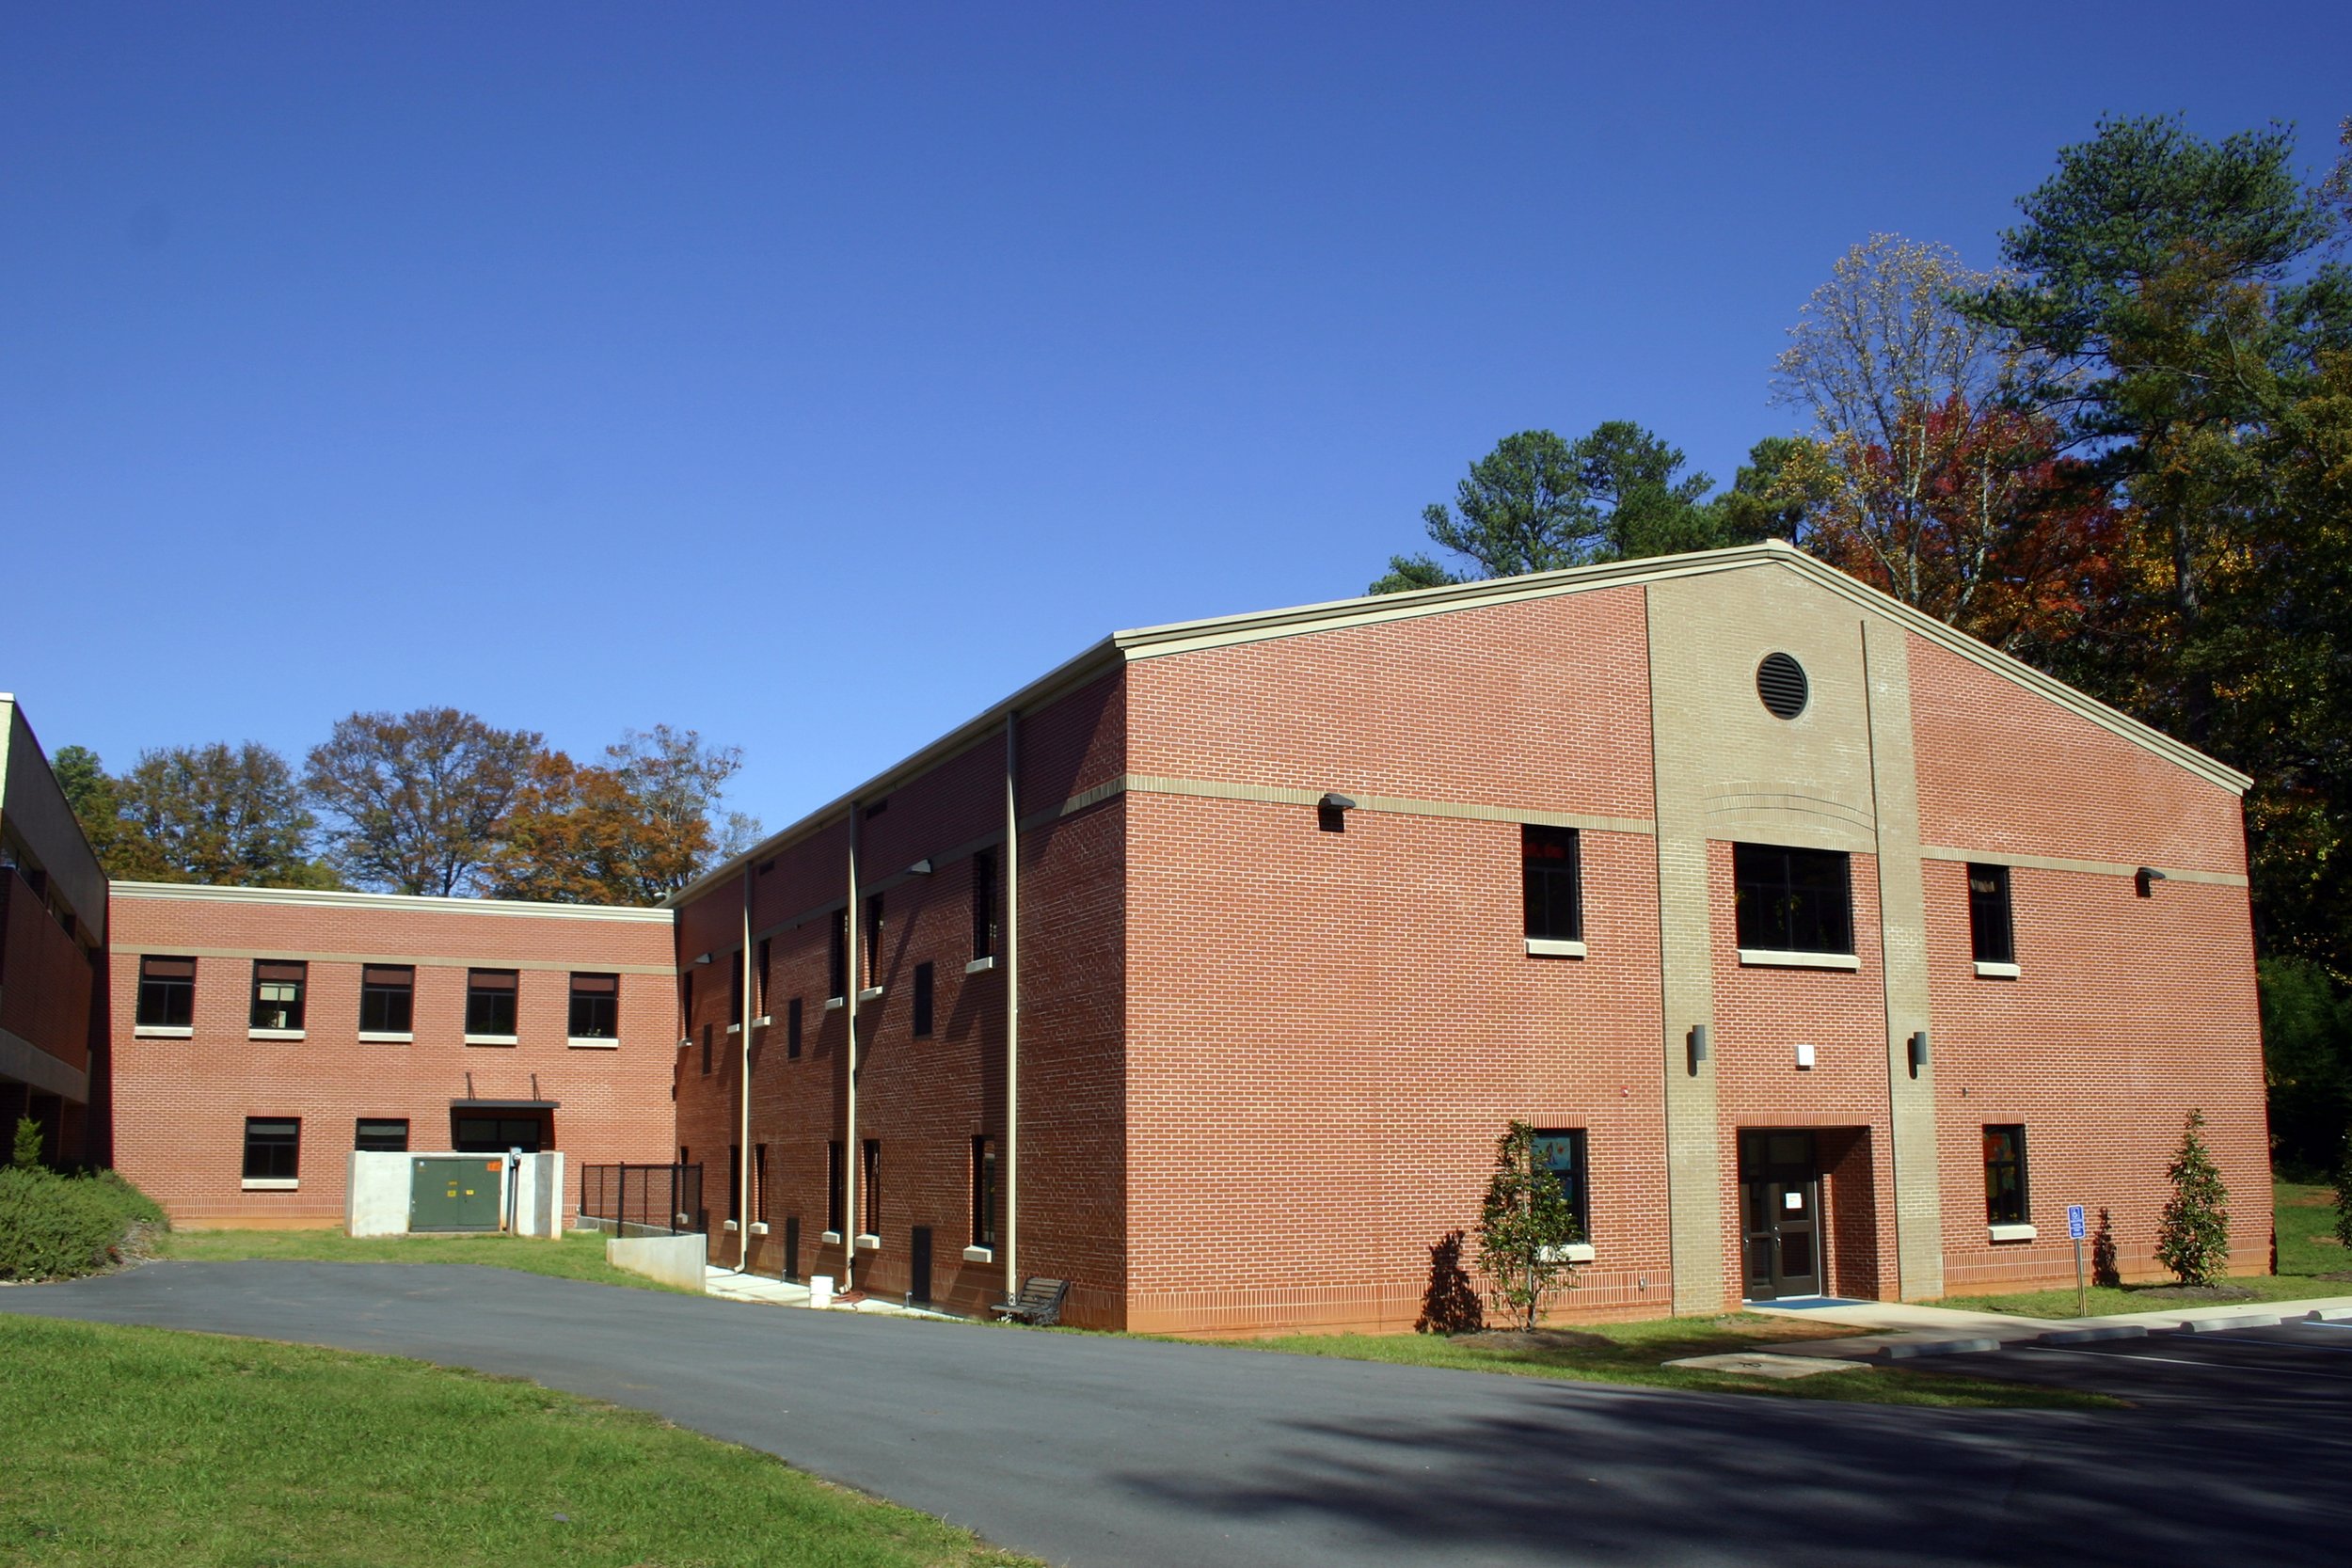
(2307, 1246)
(191, 1450)
(579, 1255)
(1632, 1352)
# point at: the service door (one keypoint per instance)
(453, 1193)
(1780, 1226)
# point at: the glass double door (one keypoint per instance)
(1780, 1214)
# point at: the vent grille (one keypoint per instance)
(1780, 682)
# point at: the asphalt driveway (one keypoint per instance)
(1100, 1450)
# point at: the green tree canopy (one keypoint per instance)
(415, 801)
(221, 814)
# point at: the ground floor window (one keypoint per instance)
(983, 1193)
(488, 1133)
(836, 1215)
(381, 1137)
(2005, 1175)
(273, 1147)
(870, 1187)
(1562, 1154)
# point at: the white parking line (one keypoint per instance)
(2208, 1366)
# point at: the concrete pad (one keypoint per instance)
(1764, 1364)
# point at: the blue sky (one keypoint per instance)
(816, 375)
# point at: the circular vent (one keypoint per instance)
(1780, 681)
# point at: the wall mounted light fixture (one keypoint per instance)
(2145, 879)
(920, 868)
(703, 958)
(1331, 812)
(1698, 1047)
(1918, 1050)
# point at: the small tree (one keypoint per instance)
(2193, 1237)
(24, 1154)
(1525, 1228)
(2343, 1191)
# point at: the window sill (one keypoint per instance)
(1772, 957)
(830, 1237)
(1553, 947)
(2010, 1232)
(728, 1226)
(979, 966)
(272, 1183)
(276, 1035)
(759, 1227)
(831, 1003)
(762, 1021)
(385, 1036)
(735, 1028)
(979, 1255)
(872, 994)
(1995, 971)
(1575, 1252)
(492, 1039)
(164, 1031)
(867, 1241)
(576, 1043)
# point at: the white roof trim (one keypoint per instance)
(408, 903)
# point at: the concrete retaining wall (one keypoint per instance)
(672, 1259)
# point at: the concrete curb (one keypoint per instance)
(2242, 1319)
(1904, 1352)
(2091, 1335)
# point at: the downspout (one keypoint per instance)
(743, 1105)
(852, 974)
(1012, 1005)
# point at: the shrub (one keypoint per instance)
(2193, 1237)
(56, 1226)
(2343, 1191)
(1524, 1229)
(24, 1153)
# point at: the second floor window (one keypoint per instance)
(837, 956)
(792, 1028)
(1990, 932)
(167, 993)
(388, 995)
(873, 967)
(490, 1002)
(984, 904)
(278, 994)
(595, 1007)
(1792, 900)
(1550, 883)
(923, 999)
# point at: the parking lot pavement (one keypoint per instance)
(1096, 1450)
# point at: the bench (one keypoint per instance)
(1039, 1303)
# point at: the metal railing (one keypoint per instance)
(643, 1200)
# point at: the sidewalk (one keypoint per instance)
(1898, 1330)
(728, 1284)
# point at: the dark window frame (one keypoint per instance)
(388, 1006)
(595, 1011)
(1580, 1187)
(1792, 900)
(1991, 916)
(984, 922)
(2007, 1198)
(735, 988)
(493, 995)
(869, 1186)
(1551, 882)
(876, 927)
(925, 1000)
(166, 999)
(792, 1029)
(837, 1193)
(761, 957)
(759, 1183)
(983, 1191)
(288, 1015)
(272, 1154)
(837, 956)
(365, 1127)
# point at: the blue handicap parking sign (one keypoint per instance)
(2074, 1229)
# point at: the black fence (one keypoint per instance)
(640, 1200)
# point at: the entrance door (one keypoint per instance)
(1780, 1205)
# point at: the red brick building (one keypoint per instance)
(261, 1034)
(53, 937)
(1830, 950)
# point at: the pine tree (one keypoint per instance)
(26, 1152)
(1525, 1228)
(2193, 1237)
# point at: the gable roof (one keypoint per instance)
(1222, 631)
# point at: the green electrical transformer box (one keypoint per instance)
(453, 1193)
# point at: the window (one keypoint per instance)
(706, 1050)
(1792, 900)
(837, 956)
(480, 1133)
(735, 1182)
(922, 999)
(388, 994)
(2004, 1176)
(1562, 1154)
(870, 1187)
(873, 966)
(381, 1137)
(835, 1210)
(595, 1007)
(1990, 931)
(759, 978)
(759, 1183)
(1549, 881)
(983, 1193)
(735, 988)
(685, 1002)
(273, 1149)
(984, 904)
(490, 1002)
(792, 1028)
(167, 993)
(278, 994)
